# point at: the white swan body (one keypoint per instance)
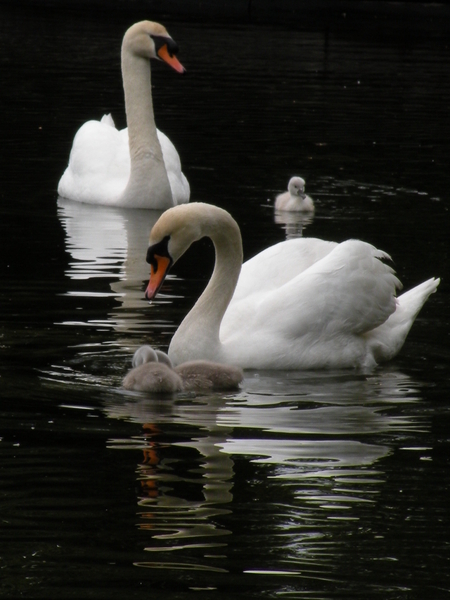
(300, 304)
(153, 372)
(136, 167)
(295, 198)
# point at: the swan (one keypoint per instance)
(295, 198)
(137, 167)
(303, 303)
(153, 372)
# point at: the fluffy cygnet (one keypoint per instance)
(153, 372)
(201, 375)
(154, 377)
(146, 354)
(295, 198)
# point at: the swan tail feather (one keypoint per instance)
(387, 340)
(108, 120)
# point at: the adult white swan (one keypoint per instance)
(300, 304)
(137, 167)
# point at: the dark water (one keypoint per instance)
(302, 485)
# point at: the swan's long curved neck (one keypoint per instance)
(200, 328)
(148, 173)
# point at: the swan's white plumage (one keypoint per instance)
(278, 264)
(303, 303)
(100, 170)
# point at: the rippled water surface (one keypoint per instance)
(302, 484)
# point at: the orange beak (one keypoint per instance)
(173, 61)
(157, 275)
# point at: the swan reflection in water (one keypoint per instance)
(109, 243)
(307, 436)
(293, 223)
